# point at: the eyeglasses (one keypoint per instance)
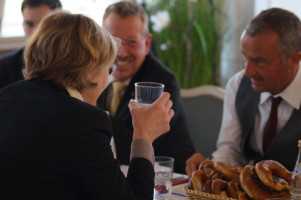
(132, 43)
(112, 69)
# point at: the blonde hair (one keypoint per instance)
(66, 47)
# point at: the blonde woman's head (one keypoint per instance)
(66, 48)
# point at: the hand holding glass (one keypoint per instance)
(147, 92)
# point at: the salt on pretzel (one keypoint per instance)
(267, 169)
(250, 183)
(226, 170)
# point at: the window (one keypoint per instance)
(291, 5)
(12, 16)
(11, 31)
(12, 19)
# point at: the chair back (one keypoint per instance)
(204, 108)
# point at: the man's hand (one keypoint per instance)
(193, 163)
(151, 121)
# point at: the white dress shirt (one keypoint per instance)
(230, 136)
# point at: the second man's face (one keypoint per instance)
(32, 17)
(264, 64)
(135, 44)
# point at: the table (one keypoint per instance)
(178, 192)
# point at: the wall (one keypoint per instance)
(237, 15)
(292, 5)
(10, 44)
(1, 12)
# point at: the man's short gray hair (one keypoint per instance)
(125, 9)
(286, 24)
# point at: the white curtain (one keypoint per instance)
(238, 13)
(2, 2)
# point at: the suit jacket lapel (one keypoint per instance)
(246, 103)
(129, 93)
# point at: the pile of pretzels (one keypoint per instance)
(268, 179)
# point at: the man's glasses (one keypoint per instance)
(112, 69)
(132, 43)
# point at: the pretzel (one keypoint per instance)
(251, 184)
(219, 187)
(208, 168)
(226, 170)
(243, 183)
(243, 196)
(207, 186)
(267, 169)
(197, 180)
(234, 189)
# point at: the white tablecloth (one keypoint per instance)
(178, 192)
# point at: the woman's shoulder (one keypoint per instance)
(54, 97)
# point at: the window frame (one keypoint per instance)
(11, 43)
(2, 5)
(8, 43)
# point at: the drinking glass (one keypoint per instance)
(163, 177)
(147, 92)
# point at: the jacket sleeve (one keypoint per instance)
(94, 171)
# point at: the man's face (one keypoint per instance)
(264, 65)
(32, 17)
(135, 45)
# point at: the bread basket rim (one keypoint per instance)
(205, 195)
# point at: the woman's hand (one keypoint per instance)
(151, 121)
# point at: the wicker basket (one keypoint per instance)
(196, 195)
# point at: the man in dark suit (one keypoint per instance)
(129, 22)
(33, 11)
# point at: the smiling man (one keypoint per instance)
(262, 115)
(33, 12)
(134, 63)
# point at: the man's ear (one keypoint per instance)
(148, 42)
(294, 60)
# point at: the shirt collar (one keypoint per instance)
(291, 94)
(126, 82)
(264, 96)
(74, 93)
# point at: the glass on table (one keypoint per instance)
(147, 92)
(163, 177)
